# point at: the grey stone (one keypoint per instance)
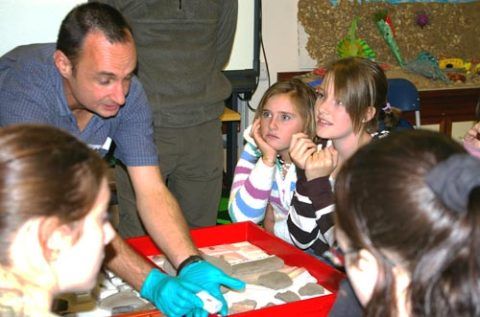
(269, 264)
(275, 280)
(287, 296)
(219, 262)
(243, 306)
(311, 289)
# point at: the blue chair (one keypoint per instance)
(403, 94)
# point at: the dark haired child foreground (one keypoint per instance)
(408, 219)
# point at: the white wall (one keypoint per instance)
(27, 21)
(280, 38)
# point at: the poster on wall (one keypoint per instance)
(335, 2)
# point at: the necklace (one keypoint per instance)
(283, 166)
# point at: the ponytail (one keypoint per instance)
(446, 279)
(383, 301)
(389, 117)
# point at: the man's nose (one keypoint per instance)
(118, 94)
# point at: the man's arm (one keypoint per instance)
(123, 261)
(170, 295)
(161, 214)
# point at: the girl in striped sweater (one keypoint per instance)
(265, 177)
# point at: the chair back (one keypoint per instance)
(403, 94)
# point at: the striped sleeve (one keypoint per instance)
(310, 220)
(251, 187)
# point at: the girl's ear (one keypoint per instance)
(63, 63)
(60, 238)
(363, 274)
(369, 114)
(367, 263)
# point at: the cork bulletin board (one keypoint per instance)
(452, 29)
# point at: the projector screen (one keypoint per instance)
(37, 21)
(242, 51)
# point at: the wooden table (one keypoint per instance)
(446, 106)
(229, 115)
(231, 121)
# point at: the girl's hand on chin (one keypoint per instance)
(269, 154)
(472, 138)
(301, 148)
(321, 163)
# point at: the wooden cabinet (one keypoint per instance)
(446, 106)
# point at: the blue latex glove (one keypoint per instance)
(198, 312)
(171, 295)
(210, 278)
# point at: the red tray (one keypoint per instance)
(327, 276)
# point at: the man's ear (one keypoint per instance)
(63, 63)
(369, 114)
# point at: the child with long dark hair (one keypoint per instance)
(407, 219)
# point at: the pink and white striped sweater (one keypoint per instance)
(255, 185)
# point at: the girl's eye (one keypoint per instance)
(286, 117)
(338, 103)
(266, 114)
(319, 94)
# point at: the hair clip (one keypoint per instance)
(387, 107)
(452, 180)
